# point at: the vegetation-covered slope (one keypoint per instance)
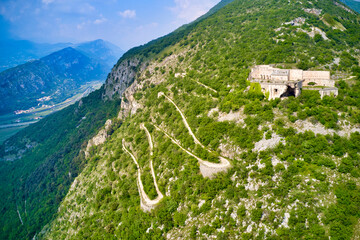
(49, 80)
(294, 162)
(33, 186)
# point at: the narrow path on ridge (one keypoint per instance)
(142, 126)
(17, 209)
(145, 202)
(207, 169)
(205, 86)
(184, 119)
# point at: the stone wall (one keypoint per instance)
(261, 72)
(274, 90)
(332, 92)
(296, 74)
(266, 72)
(280, 77)
(316, 75)
(276, 82)
(320, 82)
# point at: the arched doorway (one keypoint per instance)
(289, 92)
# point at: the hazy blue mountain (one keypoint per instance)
(15, 52)
(54, 76)
(355, 5)
(101, 50)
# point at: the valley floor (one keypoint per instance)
(12, 123)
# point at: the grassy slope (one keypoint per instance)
(36, 184)
(218, 51)
(312, 169)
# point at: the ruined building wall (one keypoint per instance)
(329, 92)
(261, 72)
(316, 75)
(274, 90)
(320, 82)
(279, 77)
(278, 82)
(296, 74)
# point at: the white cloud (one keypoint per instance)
(83, 24)
(190, 10)
(80, 25)
(86, 9)
(128, 14)
(147, 26)
(47, 1)
(100, 20)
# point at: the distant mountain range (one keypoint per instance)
(55, 77)
(15, 52)
(355, 5)
(105, 52)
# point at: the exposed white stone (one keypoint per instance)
(264, 144)
(201, 202)
(249, 229)
(318, 128)
(285, 221)
(100, 138)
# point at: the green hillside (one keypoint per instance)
(45, 159)
(201, 153)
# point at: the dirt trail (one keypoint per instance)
(17, 209)
(205, 86)
(142, 126)
(207, 169)
(184, 119)
(145, 202)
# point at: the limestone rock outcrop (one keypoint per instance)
(100, 138)
(122, 76)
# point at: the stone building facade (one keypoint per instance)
(279, 83)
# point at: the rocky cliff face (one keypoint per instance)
(122, 76)
(100, 138)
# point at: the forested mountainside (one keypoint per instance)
(47, 81)
(45, 160)
(189, 110)
(200, 152)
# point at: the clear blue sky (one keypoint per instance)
(126, 23)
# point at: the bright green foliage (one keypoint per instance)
(36, 184)
(303, 170)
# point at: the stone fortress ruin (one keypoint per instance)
(278, 83)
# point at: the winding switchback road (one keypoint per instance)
(145, 202)
(207, 169)
(184, 119)
(142, 126)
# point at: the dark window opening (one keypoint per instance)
(289, 92)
